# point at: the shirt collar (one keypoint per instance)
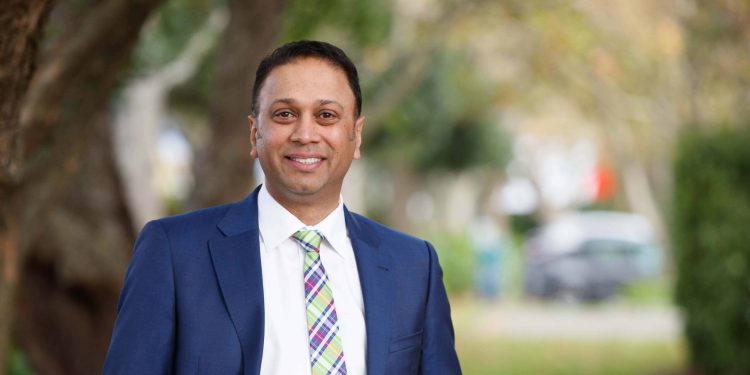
(277, 224)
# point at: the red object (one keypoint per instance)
(605, 181)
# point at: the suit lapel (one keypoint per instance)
(373, 265)
(236, 261)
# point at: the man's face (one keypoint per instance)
(306, 132)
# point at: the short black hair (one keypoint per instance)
(293, 51)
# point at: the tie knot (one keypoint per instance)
(309, 239)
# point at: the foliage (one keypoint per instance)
(165, 35)
(447, 124)
(194, 96)
(719, 61)
(711, 246)
(523, 225)
(18, 364)
(164, 39)
(456, 256)
(364, 22)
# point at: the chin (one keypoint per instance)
(302, 189)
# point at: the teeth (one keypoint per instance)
(307, 161)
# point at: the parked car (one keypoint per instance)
(590, 255)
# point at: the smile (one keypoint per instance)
(307, 161)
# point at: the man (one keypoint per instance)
(287, 281)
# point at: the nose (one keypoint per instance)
(305, 130)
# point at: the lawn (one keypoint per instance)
(483, 352)
(499, 356)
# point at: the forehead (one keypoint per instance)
(307, 80)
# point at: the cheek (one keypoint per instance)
(269, 144)
(261, 139)
(341, 137)
(261, 147)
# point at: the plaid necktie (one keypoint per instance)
(326, 351)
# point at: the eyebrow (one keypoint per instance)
(291, 101)
(284, 100)
(328, 101)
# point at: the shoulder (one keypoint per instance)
(401, 246)
(201, 222)
(197, 217)
(185, 236)
(384, 232)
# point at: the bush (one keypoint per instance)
(457, 258)
(711, 238)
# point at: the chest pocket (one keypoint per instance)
(405, 354)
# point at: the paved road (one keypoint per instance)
(578, 322)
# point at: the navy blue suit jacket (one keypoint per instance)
(193, 298)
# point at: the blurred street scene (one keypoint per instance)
(582, 167)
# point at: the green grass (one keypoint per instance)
(649, 292)
(484, 353)
(498, 356)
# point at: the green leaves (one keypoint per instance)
(711, 239)
(448, 123)
(357, 23)
(164, 37)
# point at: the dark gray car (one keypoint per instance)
(590, 255)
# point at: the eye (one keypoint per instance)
(327, 116)
(283, 115)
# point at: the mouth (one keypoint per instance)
(305, 161)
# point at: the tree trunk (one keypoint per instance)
(8, 282)
(23, 22)
(224, 168)
(72, 254)
(73, 273)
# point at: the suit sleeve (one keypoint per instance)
(438, 350)
(144, 334)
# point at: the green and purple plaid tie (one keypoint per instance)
(326, 351)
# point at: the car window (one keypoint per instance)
(609, 249)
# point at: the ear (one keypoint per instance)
(253, 123)
(358, 126)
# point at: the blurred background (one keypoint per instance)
(582, 166)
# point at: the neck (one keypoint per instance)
(310, 210)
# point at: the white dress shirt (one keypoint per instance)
(285, 342)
